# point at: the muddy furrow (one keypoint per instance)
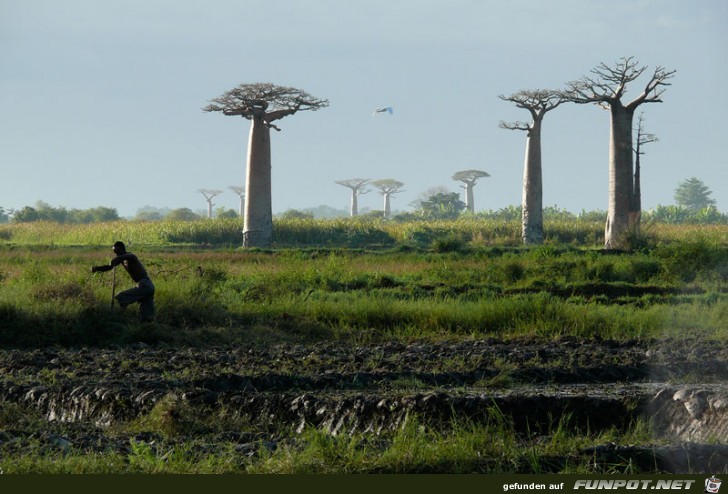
(533, 387)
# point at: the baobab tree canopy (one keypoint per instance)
(264, 99)
(536, 101)
(469, 175)
(388, 185)
(609, 84)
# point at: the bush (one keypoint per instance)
(450, 243)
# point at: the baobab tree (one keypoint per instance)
(262, 104)
(606, 87)
(387, 188)
(358, 187)
(209, 194)
(240, 192)
(538, 102)
(469, 178)
(642, 138)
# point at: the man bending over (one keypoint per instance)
(143, 292)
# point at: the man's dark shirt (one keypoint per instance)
(132, 265)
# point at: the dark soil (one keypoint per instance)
(59, 398)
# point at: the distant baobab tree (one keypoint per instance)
(469, 178)
(387, 188)
(358, 187)
(606, 88)
(538, 102)
(240, 192)
(262, 104)
(209, 194)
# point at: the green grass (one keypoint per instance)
(490, 446)
(49, 297)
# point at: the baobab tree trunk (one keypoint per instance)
(532, 203)
(258, 223)
(620, 177)
(354, 203)
(386, 206)
(469, 199)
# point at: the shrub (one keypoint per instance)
(450, 243)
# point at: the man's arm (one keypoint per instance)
(128, 256)
(106, 267)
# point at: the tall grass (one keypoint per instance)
(49, 296)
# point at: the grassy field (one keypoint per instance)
(356, 283)
(455, 284)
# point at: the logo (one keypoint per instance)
(712, 485)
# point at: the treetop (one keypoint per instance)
(249, 100)
(608, 83)
(469, 175)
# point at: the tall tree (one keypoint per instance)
(358, 187)
(693, 194)
(643, 137)
(209, 195)
(387, 188)
(606, 87)
(262, 104)
(469, 178)
(443, 206)
(240, 192)
(538, 102)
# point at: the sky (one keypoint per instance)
(101, 101)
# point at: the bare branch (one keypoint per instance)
(642, 136)
(517, 125)
(536, 100)
(654, 87)
(610, 84)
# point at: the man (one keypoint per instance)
(143, 292)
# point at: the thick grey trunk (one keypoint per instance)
(620, 178)
(469, 201)
(258, 223)
(532, 201)
(354, 203)
(209, 209)
(386, 205)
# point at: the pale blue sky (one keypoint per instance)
(100, 101)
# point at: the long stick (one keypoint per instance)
(113, 286)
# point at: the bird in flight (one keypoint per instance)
(383, 109)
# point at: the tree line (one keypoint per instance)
(693, 205)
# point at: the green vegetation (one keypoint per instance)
(424, 280)
(353, 282)
(154, 444)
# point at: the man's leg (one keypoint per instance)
(146, 308)
(143, 291)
